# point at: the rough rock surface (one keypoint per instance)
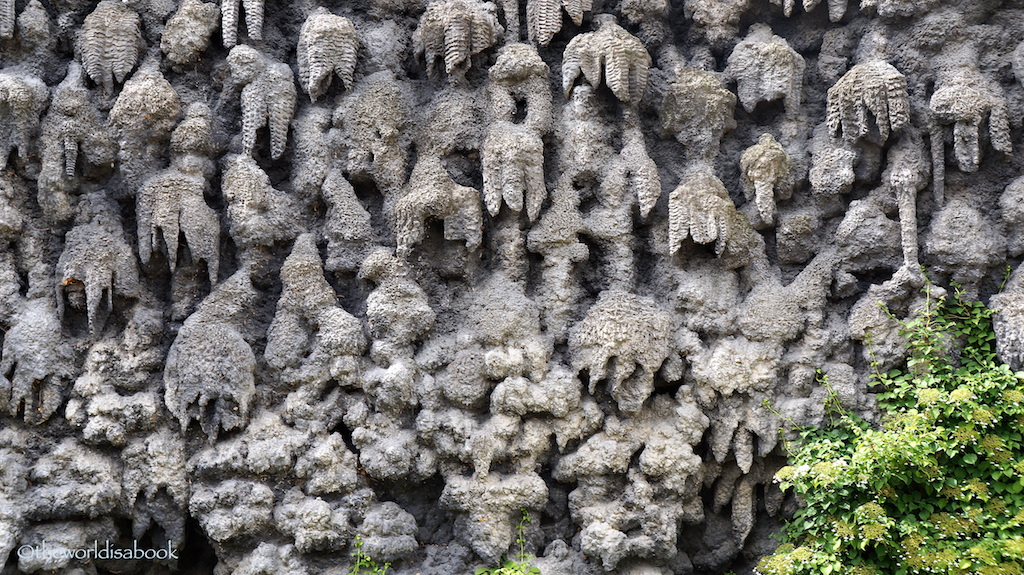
(275, 275)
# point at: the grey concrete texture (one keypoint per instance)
(275, 275)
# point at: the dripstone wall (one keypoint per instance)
(274, 275)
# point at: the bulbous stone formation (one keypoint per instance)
(610, 53)
(766, 68)
(327, 44)
(23, 98)
(187, 34)
(453, 31)
(266, 331)
(766, 169)
(544, 17)
(268, 98)
(253, 20)
(110, 43)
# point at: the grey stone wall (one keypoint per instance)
(275, 275)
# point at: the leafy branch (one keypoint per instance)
(521, 564)
(364, 565)
(938, 487)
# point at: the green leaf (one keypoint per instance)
(915, 465)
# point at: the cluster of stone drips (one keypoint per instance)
(251, 311)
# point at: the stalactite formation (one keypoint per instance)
(276, 276)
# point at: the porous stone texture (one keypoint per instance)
(277, 275)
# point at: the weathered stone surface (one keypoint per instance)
(250, 325)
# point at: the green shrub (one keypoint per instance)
(521, 564)
(938, 488)
(365, 565)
